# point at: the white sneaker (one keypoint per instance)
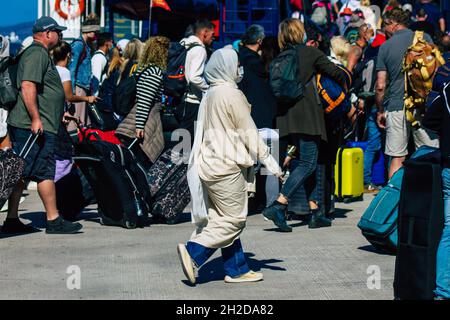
(5, 206)
(250, 276)
(32, 185)
(186, 263)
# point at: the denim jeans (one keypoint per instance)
(315, 186)
(373, 145)
(234, 262)
(308, 147)
(443, 253)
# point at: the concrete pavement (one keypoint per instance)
(114, 263)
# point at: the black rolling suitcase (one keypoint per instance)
(119, 183)
(420, 225)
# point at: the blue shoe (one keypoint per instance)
(278, 217)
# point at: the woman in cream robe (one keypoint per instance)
(226, 146)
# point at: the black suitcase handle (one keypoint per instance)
(86, 159)
(132, 143)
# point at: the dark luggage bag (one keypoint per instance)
(169, 188)
(118, 181)
(73, 194)
(420, 225)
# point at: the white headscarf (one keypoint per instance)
(222, 68)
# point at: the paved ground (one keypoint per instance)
(329, 263)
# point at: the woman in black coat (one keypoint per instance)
(304, 122)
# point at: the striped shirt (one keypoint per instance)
(148, 91)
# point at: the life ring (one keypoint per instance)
(64, 15)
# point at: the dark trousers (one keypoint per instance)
(186, 115)
(308, 147)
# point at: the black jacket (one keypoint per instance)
(437, 119)
(255, 86)
(306, 117)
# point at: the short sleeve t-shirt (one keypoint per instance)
(433, 13)
(390, 59)
(64, 74)
(35, 65)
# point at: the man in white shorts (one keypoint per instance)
(391, 114)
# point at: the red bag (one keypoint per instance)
(95, 134)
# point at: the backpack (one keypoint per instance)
(9, 91)
(335, 100)
(106, 91)
(420, 63)
(8, 85)
(174, 79)
(351, 34)
(124, 96)
(284, 77)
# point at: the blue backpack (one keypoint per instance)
(379, 222)
(174, 81)
(335, 99)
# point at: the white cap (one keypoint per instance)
(27, 42)
(407, 7)
(121, 44)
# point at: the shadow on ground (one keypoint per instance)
(371, 248)
(340, 213)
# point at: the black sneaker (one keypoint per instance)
(61, 226)
(16, 226)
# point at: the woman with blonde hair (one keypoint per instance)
(152, 64)
(115, 63)
(144, 121)
(340, 48)
(131, 56)
(303, 123)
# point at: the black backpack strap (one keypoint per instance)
(105, 69)
(193, 45)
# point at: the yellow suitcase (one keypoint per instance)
(349, 174)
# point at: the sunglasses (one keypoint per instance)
(57, 31)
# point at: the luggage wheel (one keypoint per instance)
(130, 225)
